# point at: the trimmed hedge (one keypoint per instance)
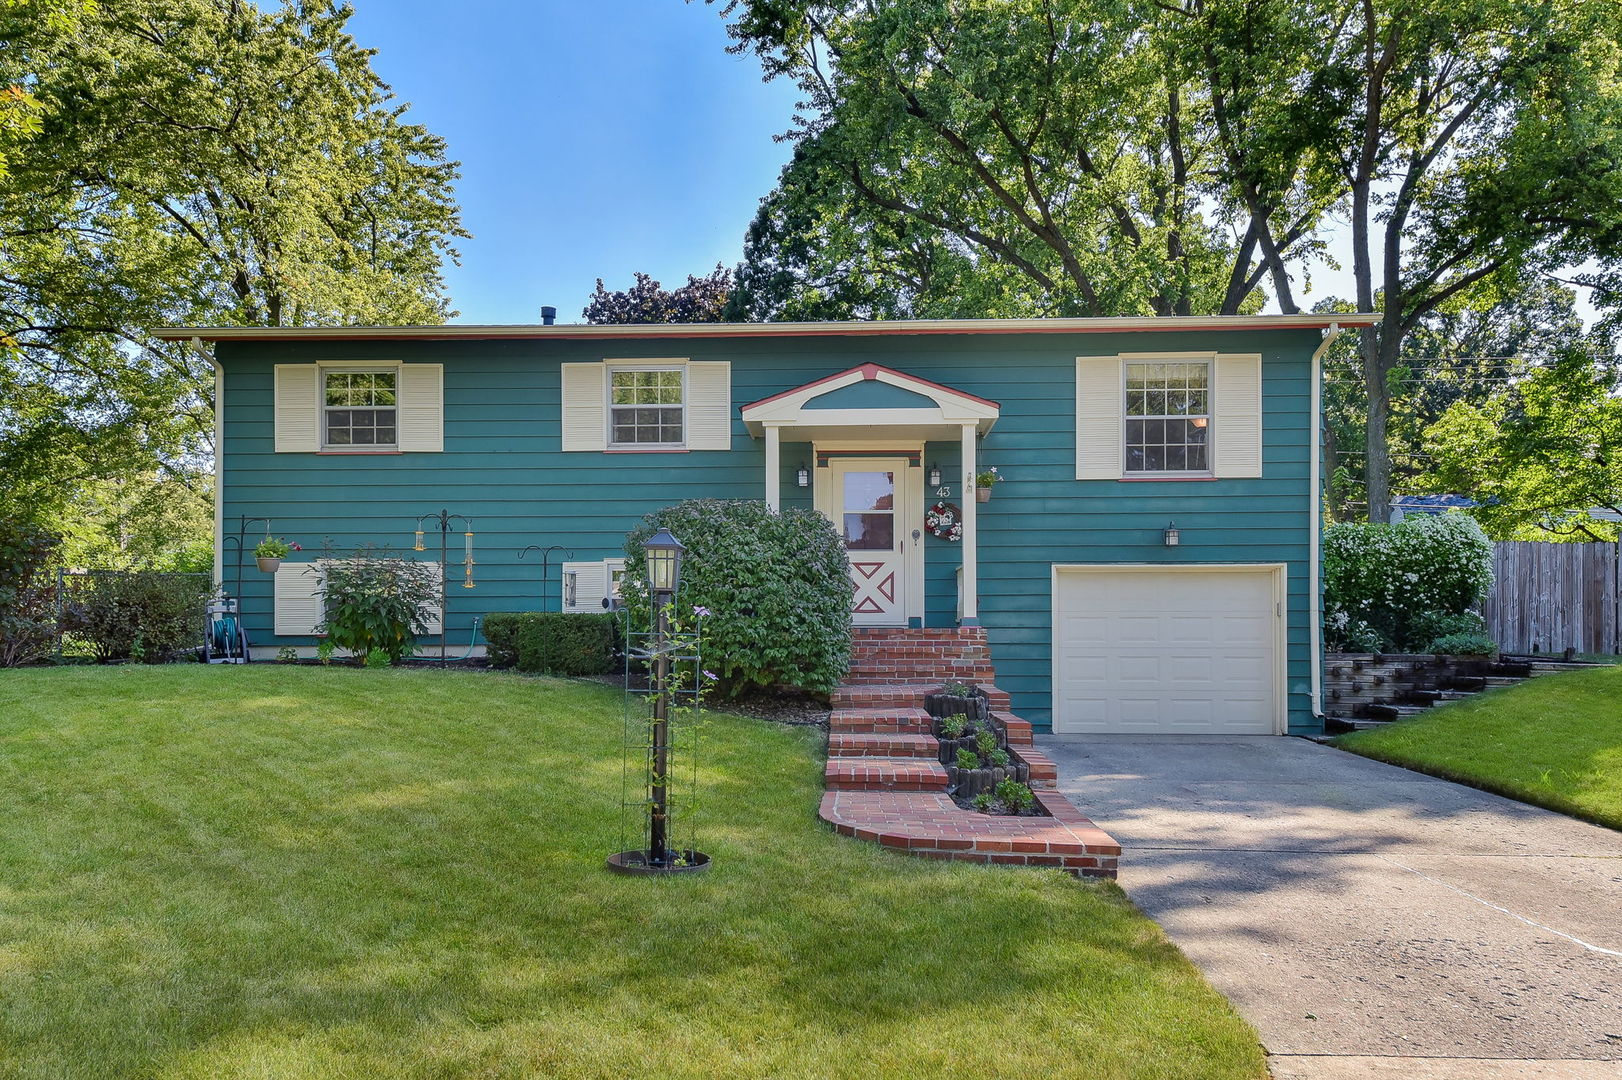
(27, 592)
(552, 642)
(143, 615)
(776, 586)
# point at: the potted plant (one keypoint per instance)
(983, 483)
(271, 551)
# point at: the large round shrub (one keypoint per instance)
(1404, 584)
(777, 587)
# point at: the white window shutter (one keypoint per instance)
(590, 581)
(1236, 416)
(422, 407)
(585, 407)
(298, 600)
(298, 408)
(1100, 418)
(709, 405)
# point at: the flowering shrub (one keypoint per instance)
(1402, 586)
(775, 587)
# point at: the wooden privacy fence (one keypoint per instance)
(1552, 597)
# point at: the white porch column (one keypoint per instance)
(774, 472)
(971, 537)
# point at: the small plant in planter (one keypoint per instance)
(271, 551)
(1014, 795)
(287, 655)
(959, 698)
(967, 759)
(984, 482)
(953, 727)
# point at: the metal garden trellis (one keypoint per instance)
(674, 663)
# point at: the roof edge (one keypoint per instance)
(452, 331)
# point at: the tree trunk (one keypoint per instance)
(1380, 348)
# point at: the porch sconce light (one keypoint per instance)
(934, 475)
(664, 554)
(1173, 537)
(802, 476)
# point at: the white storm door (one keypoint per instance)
(868, 505)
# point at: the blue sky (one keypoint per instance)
(596, 139)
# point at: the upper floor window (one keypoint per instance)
(1168, 418)
(647, 407)
(360, 408)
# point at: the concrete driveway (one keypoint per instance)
(1368, 920)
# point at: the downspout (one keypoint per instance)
(219, 460)
(1315, 629)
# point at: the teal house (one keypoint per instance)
(1146, 564)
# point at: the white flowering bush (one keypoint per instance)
(1389, 586)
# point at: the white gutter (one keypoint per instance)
(1315, 616)
(196, 343)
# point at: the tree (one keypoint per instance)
(1540, 453)
(1050, 153)
(1466, 350)
(701, 300)
(197, 162)
(1475, 143)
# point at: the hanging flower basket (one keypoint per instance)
(271, 551)
(984, 482)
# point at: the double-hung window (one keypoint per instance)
(360, 409)
(1168, 418)
(647, 407)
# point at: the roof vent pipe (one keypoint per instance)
(549, 315)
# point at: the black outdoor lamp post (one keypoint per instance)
(663, 555)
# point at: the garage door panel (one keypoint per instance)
(1166, 652)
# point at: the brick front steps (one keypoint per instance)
(884, 779)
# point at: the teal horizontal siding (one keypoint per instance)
(503, 467)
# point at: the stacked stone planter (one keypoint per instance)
(967, 783)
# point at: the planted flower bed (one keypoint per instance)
(982, 773)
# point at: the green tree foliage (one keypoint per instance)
(776, 585)
(1539, 454)
(198, 162)
(701, 300)
(990, 157)
(1466, 350)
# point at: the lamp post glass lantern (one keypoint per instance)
(670, 655)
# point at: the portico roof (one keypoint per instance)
(916, 406)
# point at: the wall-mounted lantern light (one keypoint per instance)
(1173, 537)
(934, 475)
(802, 476)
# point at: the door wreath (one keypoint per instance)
(944, 520)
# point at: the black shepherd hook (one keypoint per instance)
(546, 562)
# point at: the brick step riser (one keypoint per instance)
(878, 727)
(860, 697)
(885, 785)
(882, 750)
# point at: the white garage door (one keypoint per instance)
(1166, 651)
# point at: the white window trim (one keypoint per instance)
(610, 367)
(354, 367)
(1209, 361)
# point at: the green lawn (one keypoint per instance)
(1555, 741)
(306, 873)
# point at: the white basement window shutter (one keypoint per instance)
(709, 405)
(585, 407)
(299, 610)
(1236, 416)
(585, 586)
(298, 408)
(1100, 418)
(422, 407)
(298, 600)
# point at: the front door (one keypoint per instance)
(871, 501)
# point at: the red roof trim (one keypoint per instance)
(869, 372)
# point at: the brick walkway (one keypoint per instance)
(886, 785)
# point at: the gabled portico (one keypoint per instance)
(868, 426)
